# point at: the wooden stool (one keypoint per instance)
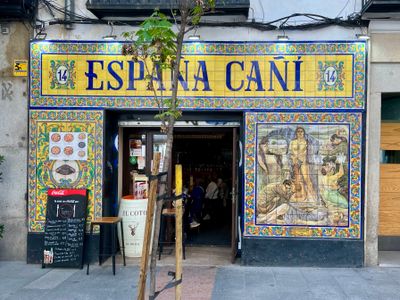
(112, 221)
(168, 213)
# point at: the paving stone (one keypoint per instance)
(27, 294)
(51, 279)
(22, 281)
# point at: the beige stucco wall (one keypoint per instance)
(384, 77)
(13, 143)
(385, 48)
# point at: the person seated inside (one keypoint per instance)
(196, 204)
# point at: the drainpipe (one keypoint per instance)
(69, 14)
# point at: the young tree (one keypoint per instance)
(1, 225)
(1, 161)
(159, 47)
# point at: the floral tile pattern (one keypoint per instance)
(45, 173)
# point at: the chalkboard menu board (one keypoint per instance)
(65, 228)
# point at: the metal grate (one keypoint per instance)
(102, 8)
(165, 3)
(384, 9)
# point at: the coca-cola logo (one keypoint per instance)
(57, 193)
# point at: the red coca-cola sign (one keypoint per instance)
(65, 192)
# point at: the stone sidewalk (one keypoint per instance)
(21, 281)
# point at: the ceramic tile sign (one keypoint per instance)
(68, 146)
(216, 75)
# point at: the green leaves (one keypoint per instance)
(196, 13)
(155, 39)
(199, 9)
(156, 44)
(171, 110)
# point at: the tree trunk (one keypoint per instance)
(157, 219)
(168, 151)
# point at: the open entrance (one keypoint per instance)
(206, 159)
(208, 153)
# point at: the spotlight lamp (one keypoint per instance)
(282, 38)
(41, 36)
(111, 36)
(40, 31)
(362, 36)
(194, 37)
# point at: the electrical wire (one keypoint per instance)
(316, 21)
(262, 10)
(61, 10)
(340, 12)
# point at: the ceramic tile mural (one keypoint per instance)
(240, 75)
(46, 172)
(303, 104)
(303, 175)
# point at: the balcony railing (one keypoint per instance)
(18, 9)
(380, 9)
(139, 8)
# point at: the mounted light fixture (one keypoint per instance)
(111, 36)
(40, 31)
(194, 36)
(41, 36)
(362, 37)
(282, 38)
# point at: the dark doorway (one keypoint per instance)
(206, 155)
(206, 146)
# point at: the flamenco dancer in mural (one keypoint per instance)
(302, 175)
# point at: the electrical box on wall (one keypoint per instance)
(17, 9)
